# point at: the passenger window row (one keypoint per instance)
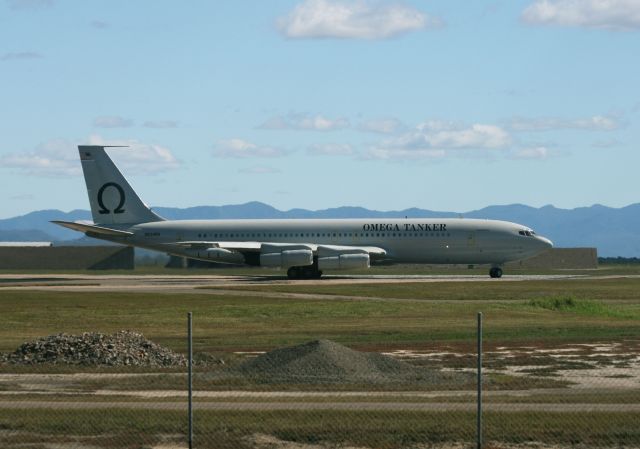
(325, 234)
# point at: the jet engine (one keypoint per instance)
(344, 262)
(287, 258)
(215, 255)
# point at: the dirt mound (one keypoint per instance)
(124, 348)
(324, 361)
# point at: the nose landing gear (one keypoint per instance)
(495, 272)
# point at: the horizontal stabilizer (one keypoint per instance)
(83, 227)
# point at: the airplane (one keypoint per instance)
(304, 247)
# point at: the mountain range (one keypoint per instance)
(614, 231)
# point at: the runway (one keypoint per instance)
(202, 283)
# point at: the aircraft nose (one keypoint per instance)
(546, 242)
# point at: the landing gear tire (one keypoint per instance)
(293, 273)
(495, 272)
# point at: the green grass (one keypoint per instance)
(433, 313)
(587, 307)
(384, 430)
(601, 289)
(428, 315)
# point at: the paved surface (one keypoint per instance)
(228, 285)
(198, 284)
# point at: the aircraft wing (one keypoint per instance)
(231, 246)
(347, 249)
(257, 247)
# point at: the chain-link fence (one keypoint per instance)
(321, 394)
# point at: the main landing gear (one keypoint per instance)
(308, 272)
(495, 272)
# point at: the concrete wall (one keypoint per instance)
(559, 258)
(67, 258)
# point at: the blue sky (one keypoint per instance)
(445, 105)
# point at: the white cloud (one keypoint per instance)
(112, 121)
(330, 149)
(437, 125)
(539, 152)
(17, 56)
(381, 125)
(259, 170)
(139, 157)
(238, 148)
(59, 157)
(160, 124)
(618, 15)
(437, 139)
(449, 136)
(357, 19)
(305, 122)
(403, 154)
(594, 123)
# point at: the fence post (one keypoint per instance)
(479, 412)
(190, 377)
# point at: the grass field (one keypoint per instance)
(369, 429)
(236, 323)
(428, 313)
(433, 316)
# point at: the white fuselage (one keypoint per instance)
(428, 240)
(303, 247)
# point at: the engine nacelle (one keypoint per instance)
(344, 262)
(286, 259)
(215, 255)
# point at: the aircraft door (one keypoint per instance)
(471, 239)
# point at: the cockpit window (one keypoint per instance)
(526, 233)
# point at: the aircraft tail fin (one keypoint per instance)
(112, 199)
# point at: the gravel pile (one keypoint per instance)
(124, 348)
(327, 362)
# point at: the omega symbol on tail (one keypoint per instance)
(118, 209)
